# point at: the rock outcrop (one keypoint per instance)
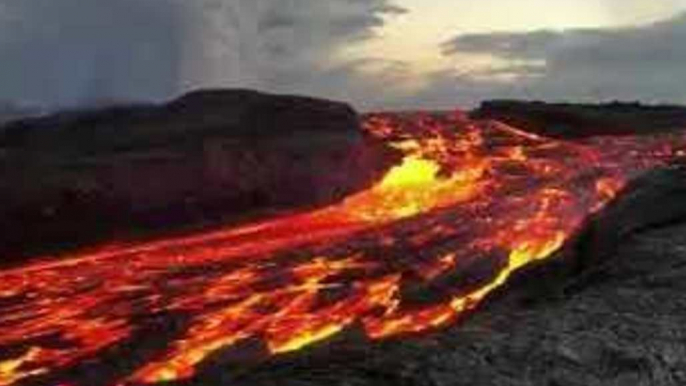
(580, 120)
(207, 157)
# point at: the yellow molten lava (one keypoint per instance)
(411, 188)
(413, 172)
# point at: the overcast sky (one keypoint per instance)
(376, 54)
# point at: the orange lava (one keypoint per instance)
(466, 193)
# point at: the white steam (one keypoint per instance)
(75, 52)
(61, 53)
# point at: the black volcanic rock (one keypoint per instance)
(581, 120)
(207, 157)
(201, 113)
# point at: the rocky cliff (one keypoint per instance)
(207, 157)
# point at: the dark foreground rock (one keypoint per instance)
(208, 157)
(611, 310)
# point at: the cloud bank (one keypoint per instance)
(74, 52)
(61, 53)
(640, 63)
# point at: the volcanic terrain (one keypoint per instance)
(416, 248)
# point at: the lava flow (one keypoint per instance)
(470, 203)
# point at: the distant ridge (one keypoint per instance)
(578, 120)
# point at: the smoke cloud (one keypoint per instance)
(74, 52)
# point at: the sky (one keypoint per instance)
(374, 54)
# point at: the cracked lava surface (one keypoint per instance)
(466, 194)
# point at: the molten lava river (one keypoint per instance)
(466, 194)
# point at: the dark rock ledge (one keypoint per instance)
(208, 157)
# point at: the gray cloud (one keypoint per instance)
(533, 45)
(641, 63)
(70, 52)
(299, 37)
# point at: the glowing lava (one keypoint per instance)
(465, 193)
